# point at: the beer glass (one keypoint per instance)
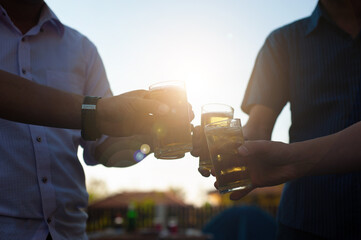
(212, 112)
(223, 138)
(172, 132)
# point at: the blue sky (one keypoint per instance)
(209, 44)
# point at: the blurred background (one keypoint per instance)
(210, 44)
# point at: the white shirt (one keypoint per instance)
(42, 182)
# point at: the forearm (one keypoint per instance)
(260, 123)
(24, 101)
(333, 154)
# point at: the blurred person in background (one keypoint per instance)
(43, 193)
(241, 223)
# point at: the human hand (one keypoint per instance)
(128, 114)
(268, 164)
(123, 151)
(199, 142)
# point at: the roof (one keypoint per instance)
(125, 198)
(261, 191)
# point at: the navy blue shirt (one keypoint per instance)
(315, 66)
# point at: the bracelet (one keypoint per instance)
(89, 130)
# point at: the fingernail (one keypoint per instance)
(242, 150)
(163, 109)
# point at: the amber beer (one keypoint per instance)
(171, 133)
(212, 112)
(223, 139)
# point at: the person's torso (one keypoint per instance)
(325, 95)
(41, 179)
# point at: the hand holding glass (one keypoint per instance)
(223, 139)
(171, 133)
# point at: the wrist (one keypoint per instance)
(99, 116)
(89, 126)
(301, 163)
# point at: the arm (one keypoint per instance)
(24, 101)
(260, 123)
(333, 154)
(272, 163)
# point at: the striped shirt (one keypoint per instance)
(42, 182)
(315, 66)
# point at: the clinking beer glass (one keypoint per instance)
(171, 133)
(211, 112)
(223, 139)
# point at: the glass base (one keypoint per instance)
(239, 185)
(172, 152)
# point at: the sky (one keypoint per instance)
(210, 44)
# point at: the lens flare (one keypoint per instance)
(138, 156)
(145, 148)
(160, 130)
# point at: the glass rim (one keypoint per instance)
(227, 120)
(164, 84)
(217, 104)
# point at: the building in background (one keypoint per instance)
(157, 211)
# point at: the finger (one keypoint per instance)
(197, 130)
(196, 141)
(243, 151)
(204, 172)
(144, 125)
(226, 147)
(195, 152)
(240, 193)
(190, 112)
(146, 106)
(136, 93)
(156, 107)
(216, 184)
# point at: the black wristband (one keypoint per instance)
(89, 130)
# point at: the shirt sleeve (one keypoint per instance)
(96, 85)
(268, 84)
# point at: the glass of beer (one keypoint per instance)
(212, 112)
(172, 132)
(223, 138)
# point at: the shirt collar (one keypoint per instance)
(47, 17)
(315, 18)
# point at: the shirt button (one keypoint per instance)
(38, 139)
(23, 39)
(23, 71)
(48, 220)
(44, 179)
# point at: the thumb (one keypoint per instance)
(243, 150)
(240, 193)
